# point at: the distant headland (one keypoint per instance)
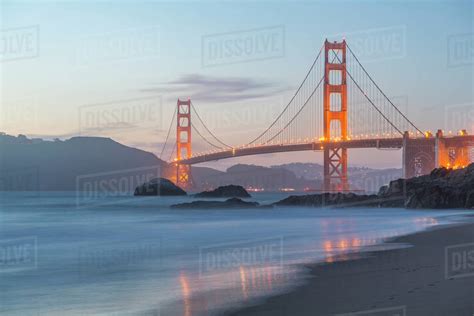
(34, 164)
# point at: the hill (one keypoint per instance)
(253, 177)
(36, 164)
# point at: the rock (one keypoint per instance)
(470, 168)
(439, 172)
(396, 187)
(229, 203)
(430, 197)
(225, 191)
(158, 186)
(441, 189)
(470, 199)
(383, 190)
(329, 199)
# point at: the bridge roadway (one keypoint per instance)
(382, 143)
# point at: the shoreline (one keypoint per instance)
(415, 280)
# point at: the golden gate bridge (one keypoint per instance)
(338, 106)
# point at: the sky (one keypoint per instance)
(115, 68)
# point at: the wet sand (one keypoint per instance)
(433, 277)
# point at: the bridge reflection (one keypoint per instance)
(343, 245)
(201, 293)
(186, 292)
(217, 290)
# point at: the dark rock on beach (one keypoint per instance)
(159, 186)
(328, 199)
(226, 191)
(229, 203)
(441, 189)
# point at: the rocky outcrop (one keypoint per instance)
(329, 199)
(159, 186)
(229, 203)
(78, 164)
(226, 191)
(441, 189)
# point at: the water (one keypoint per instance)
(66, 254)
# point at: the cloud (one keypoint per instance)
(218, 89)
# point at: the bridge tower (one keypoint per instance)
(183, 143)
(335, 110)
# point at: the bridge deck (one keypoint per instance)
(382, 143)
(314, 146)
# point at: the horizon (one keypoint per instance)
(218, 167)
(202, 157)
(143, 61)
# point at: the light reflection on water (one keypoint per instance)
(186, 294)
(218, 290)
(140, 257)
(248, 283)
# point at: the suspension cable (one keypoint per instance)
(373, 105)
(172, 152)
(207, 129)
(301, 109)
(168, 135)
(365, 94)
(289, 103)
(401, 113)
(297, 113)
(205, 139)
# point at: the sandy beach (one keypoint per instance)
(433, 277)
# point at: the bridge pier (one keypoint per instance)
(453, 152)
(422, 155)
(183, 176)
(183, 143)
(335, 169)
(335, 157)
(418, 156)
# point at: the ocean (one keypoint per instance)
(62, 253)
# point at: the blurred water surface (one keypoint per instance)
(61, 253)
